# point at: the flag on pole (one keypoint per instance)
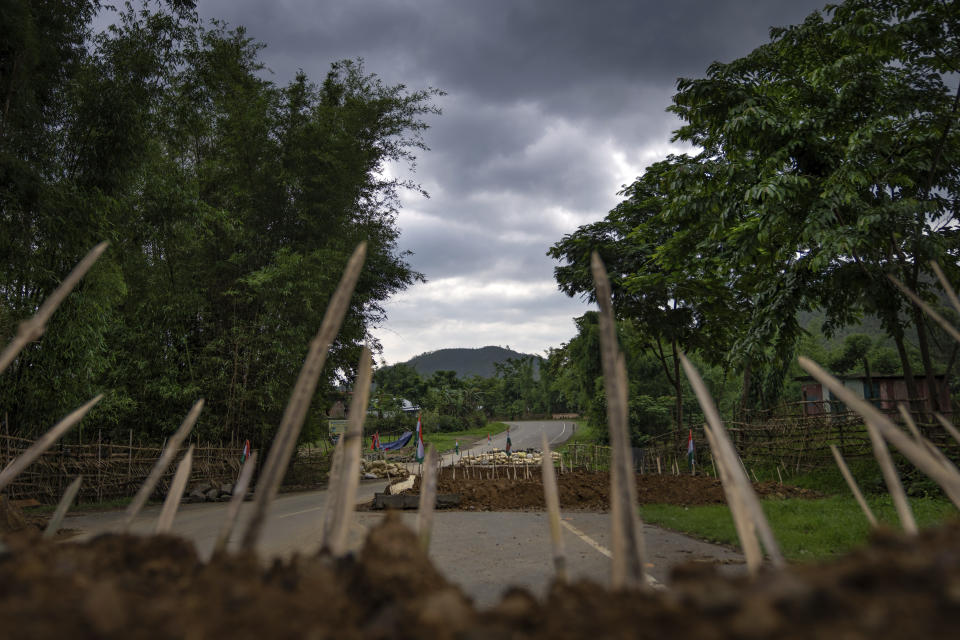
(690, 449)
(419, 439)
(375, 441)
(246, 451)
(488, 439)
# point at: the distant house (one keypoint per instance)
(886, 392)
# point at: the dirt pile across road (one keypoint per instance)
(587, 490)
(122, 586)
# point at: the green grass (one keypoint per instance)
(584, 434)
(444, 441)
(807, 530)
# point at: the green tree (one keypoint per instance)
(830, 157)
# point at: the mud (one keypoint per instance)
(123, 586)
(588, 491)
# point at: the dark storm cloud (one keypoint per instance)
(552, 106)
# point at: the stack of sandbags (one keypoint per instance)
(500, 457)
(382, 469)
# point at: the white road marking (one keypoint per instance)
(653, 582)
(552, 440)
(296, 513)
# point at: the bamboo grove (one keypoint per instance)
(231, 205)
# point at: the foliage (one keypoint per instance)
(826, 159)
(807, 530)
(231, 203)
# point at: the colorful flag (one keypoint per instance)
(246, 451)
(456, 447)
(690, 449)
(488, 439)
(375, 441)
(419, 439)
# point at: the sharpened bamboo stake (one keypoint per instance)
(552, 497)
(919, 437)
(62, 507)
(172, 502)
(853, 486)
(627, 532)
(160, 467)
(746, 532)
(32, 329)
(908, 420)
(47, 440)
(745, 496)
(334, 479)
(952, 430)
(950, 291)
(949, 328)
(917, 454)
(892, 479)
(428, 499)
(303, 391)
(352, 443)
(233, 509)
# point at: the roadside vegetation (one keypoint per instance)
(810, 530)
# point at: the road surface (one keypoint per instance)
(483, 552)
(523, 435)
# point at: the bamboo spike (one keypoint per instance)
(853, 486)
(951, 292)
(892, 480)
(31, 329)
(746, 531)
(300, 398)
(952, 430)
(908, 420)
(627, 532)
(346, 499)
(233, 509)
(736, 474)
(64, 505)
(330, 509)
(25, 459)
(161, 465)
(919, 437)
(949, 328)
(172, 501)
(428, 498)
(552, 498)
(917, 454)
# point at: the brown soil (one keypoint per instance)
(586, 490)
(121, 586)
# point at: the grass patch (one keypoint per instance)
(87, 507)
(807, 530)
(444, 441)
(583, 434)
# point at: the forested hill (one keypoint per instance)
(466, 362)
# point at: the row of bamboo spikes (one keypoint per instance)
(627, 538)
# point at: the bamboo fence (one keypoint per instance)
(794, 443)
(113, 470)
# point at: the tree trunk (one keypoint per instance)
(924, 344)
(745, 392)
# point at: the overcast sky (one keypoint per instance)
(551, 107)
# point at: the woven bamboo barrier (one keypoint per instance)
(112, 470)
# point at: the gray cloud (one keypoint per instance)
(552, 106)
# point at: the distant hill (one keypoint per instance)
(466, 362)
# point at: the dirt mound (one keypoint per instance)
(11, 517)
(122, 586)
(588, 490)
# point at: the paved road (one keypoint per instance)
(483, 552)
(523, 435)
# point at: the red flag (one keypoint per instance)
(246, 450)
